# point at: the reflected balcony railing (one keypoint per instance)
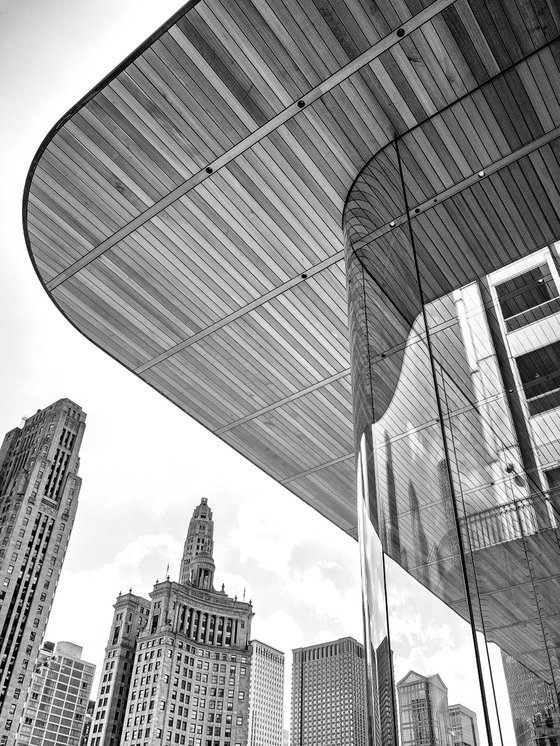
(536, 313)
(507, 522)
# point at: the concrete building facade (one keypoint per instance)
(266, 696)
(328, 695)
(55, 711)
(39, 488)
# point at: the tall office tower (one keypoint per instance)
(328, 695)
(423, 710)
(189, 683)
(285, 737)
(386, 727)
(57, 700)
(534, 705)
(129, 620)
(39, 490)
(464, 726)
(266, 695)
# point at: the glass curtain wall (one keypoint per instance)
(455, 337)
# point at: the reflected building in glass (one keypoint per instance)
(534, 706)
(423, 711)
(401, 163)
(464, 726)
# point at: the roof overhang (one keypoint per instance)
(186, 215)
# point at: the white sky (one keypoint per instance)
(145, 464)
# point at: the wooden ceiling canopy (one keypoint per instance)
(186, 215)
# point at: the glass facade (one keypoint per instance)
(455, 334)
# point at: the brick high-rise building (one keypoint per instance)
(189, 681)
(57, 701)
(39, 490)
(328, 695)
(533, 703)
(266, 700)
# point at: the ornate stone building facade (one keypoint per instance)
(191, 660)
(39, 490)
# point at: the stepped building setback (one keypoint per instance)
(39, 488)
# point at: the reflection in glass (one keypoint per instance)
(457, 422)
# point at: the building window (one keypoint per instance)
(553, 479)
(528, 297)
(539, 371)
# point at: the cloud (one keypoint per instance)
(75, 618)
(316, 574)
(288, 635)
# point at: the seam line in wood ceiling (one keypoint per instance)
(383, 45)
(358, 245)
(318, 468)
(286, 400)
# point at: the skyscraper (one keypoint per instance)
(57, 700)
(534, 704)
(266, 695)
(190, 654)
(328, 695)
(130, 618)
(423, 710)
(39, 490)
(464, 726)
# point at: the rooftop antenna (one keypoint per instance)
(167, 572)
(243, 594)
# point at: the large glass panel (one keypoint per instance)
(458, 466)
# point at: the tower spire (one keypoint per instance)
(197, 565)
